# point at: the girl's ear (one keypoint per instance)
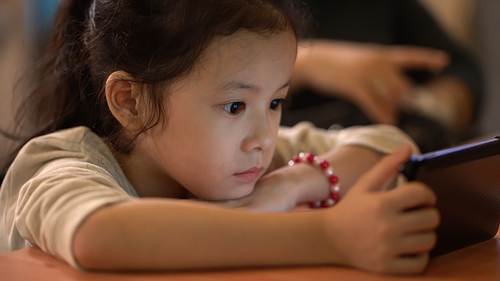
(124, 100)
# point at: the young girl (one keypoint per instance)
(143, 103)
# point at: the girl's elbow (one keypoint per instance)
(85, 252)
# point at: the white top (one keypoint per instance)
(57, 180)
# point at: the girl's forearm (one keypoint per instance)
(155, 234)
(350, 162)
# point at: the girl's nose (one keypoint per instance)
(259, 136)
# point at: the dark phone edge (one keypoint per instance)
(451, 156)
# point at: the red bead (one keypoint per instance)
(334, 196)
(314, 205)
(310, 157)
(333, 179)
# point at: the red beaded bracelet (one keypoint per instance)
(314, 160)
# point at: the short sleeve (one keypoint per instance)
(305, 137)
(52, 205)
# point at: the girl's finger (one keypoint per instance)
(419, 220)
(416, 244)
(411, 195)
(384, 171)
(409, 264)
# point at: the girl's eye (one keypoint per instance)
(275, 104)
(234, 108)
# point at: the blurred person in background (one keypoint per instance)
(385, 61)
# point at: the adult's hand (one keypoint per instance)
(369, 75)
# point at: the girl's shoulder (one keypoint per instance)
(77, 148)
(65, 142)
(77, 151)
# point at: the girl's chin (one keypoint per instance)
(235, 193)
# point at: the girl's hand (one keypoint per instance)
(384, 231)
(283, 189)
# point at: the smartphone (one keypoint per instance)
(466, 180)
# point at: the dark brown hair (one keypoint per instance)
(155, 41)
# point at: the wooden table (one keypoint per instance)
(477, 262)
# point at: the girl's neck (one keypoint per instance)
(147, 180)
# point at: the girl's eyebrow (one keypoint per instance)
(235, 86)
(238, 85)
(286, 84)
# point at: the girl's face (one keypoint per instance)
(224, 116)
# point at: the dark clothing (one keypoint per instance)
(390, 22)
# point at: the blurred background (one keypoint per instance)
(25, 25)
(476, 24)
(24, 28)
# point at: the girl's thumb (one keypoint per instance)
(384, 171)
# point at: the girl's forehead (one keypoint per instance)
(245, 59)
(244, 47)
(250, 44)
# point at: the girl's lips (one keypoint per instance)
(250, 174)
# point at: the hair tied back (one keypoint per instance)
(92, 14)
